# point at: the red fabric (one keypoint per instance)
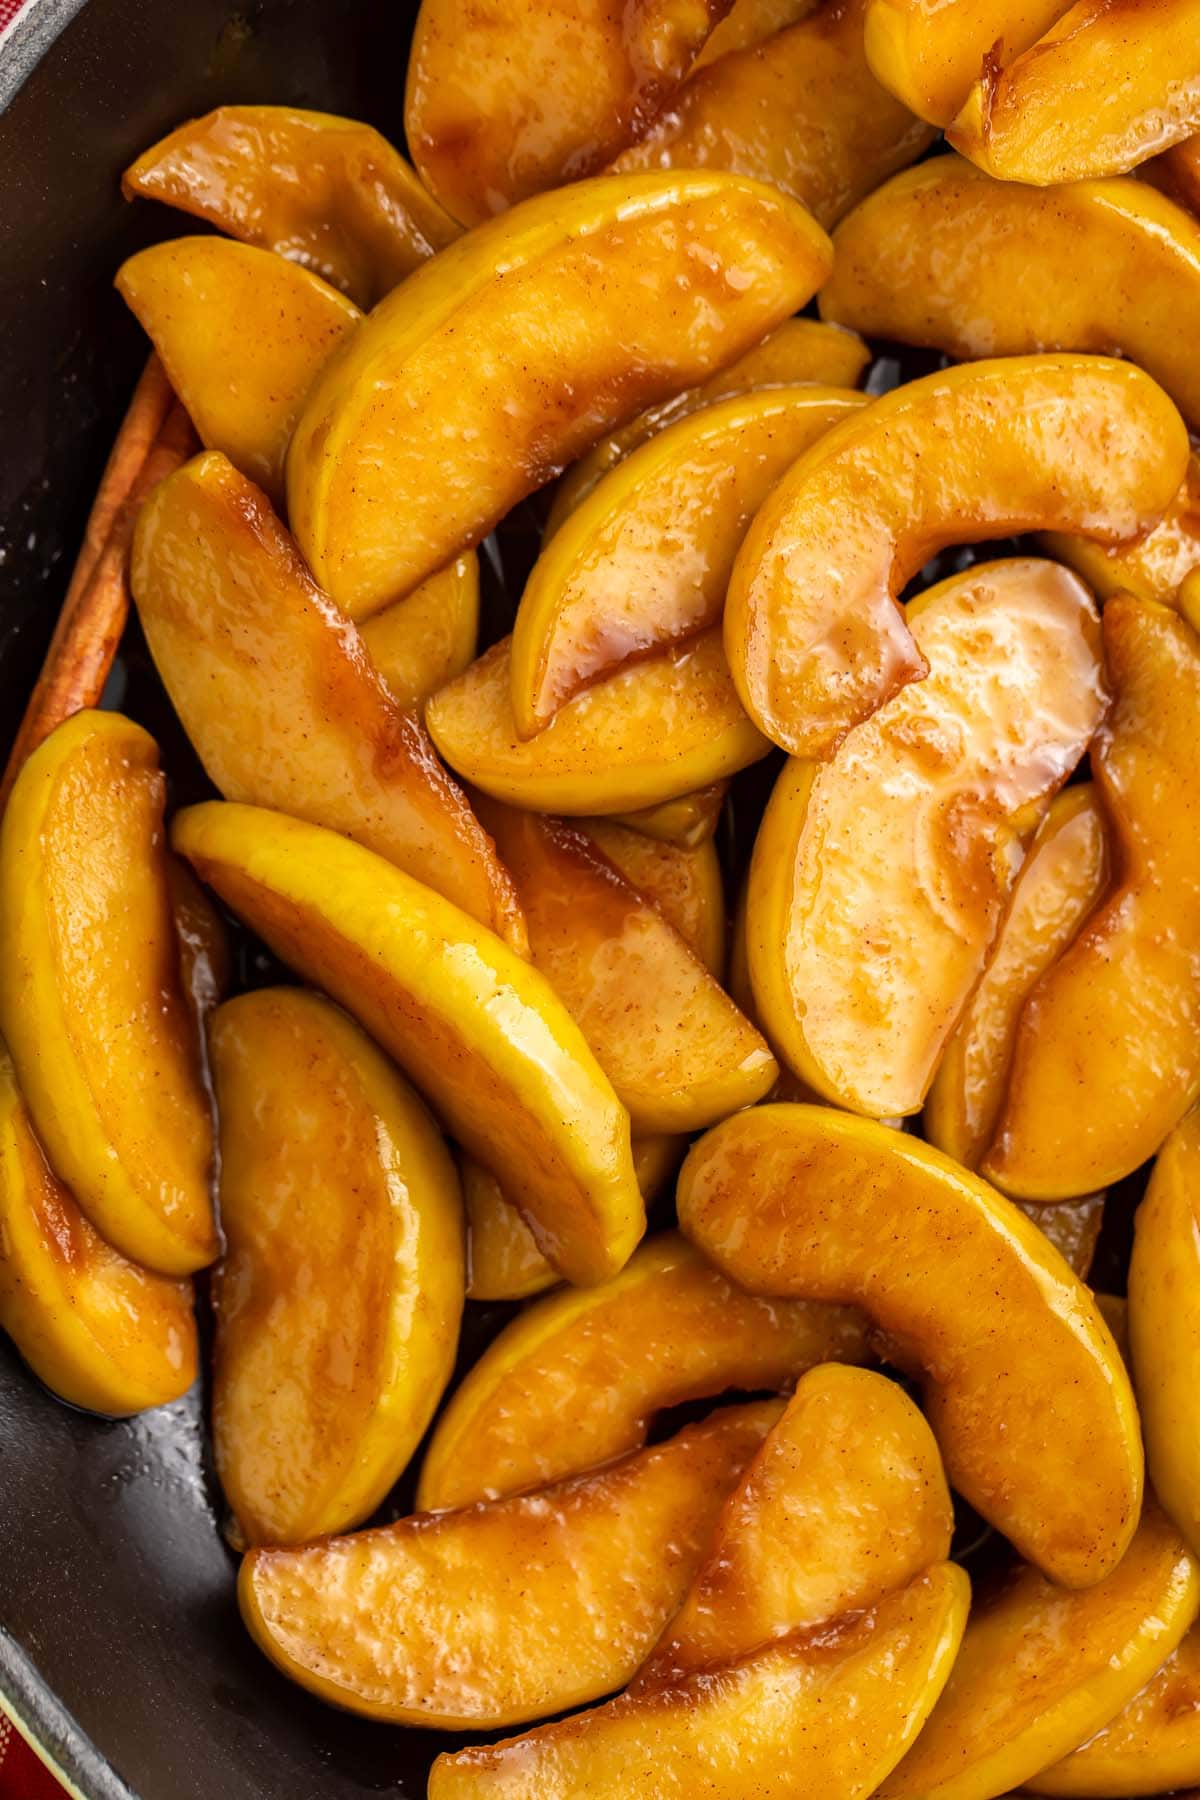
(22, 1775)
(8, 11)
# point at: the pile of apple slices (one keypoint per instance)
(873, 1124)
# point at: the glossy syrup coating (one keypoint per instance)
(930, 57)
(1153, 567)
(682, 880)
(424, 641)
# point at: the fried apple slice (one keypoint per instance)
(1104, 87)
(1024, 1387)
(931, 257)
(1107, 1054)
(1073, 1227)
(91, 1005)
(508, 1611)
(824, 1712)
(815, 638)
(802, 110)
(327, 192)
(478, 1030)
(339, 1296)
(879, 877)
(655, 731)
(1060, 881)
(797, 350)
(1164, 1323)
(678, 1052)
(242, 335)
(517, 348)
(99, 1330)
(577, 1378)
(279, 698)
(421, 643)
(931, 60)
(645, 560)
(1155, 566)
(690, 819)
(683, 881)
(1041, 1668)
(750, 22)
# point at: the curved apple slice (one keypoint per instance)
(421, 643)
(517, 348)
(683, 881)
(91, 1005)
(339, 1295)
(815, 638)
(328, 192)
(930, 60)
(654, 731)
(1040, 1669)
(750, 22)
(1103, 88)
(1025, 1389)
(801, 109)
(878, 877)
(1107, 1053)
(826, 1712)
(577, 1378)
(1153, 568)
(242, 335)
(508, 1611)
(480, 1032)
(1059, 883)
(689, 819)
(645, 560)
(100, 1331)
(278, 696)
(931, 258)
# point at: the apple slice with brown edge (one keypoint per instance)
(930, 60)
(683, 881)
(481, 1033)
(815, 638)
(421, 643)
(1155, 566)
(689, 819)
(278, 695)
(1025, 1389)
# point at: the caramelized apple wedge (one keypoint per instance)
(507, 1611)
(339, 1296)
(678, 1052)
(1061, 880)
(948, 257)
(328, 192)
(683, 881)
(577, 1378)
(279, 698)
(815, 639)
(481, 1033)
(421, 643)
(242, 335)
(100, 1331)
(1107, 1053)
(1155, 566)
(517, 348)
(91, 1005)
(878, 877)
(824, 1712)
(1040, 1669)
(689, 819)
(931, 59)
(655, 731)
(1025, 1389)
(645, 560)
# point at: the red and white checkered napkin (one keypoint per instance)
(9, 10)
(22, 1776)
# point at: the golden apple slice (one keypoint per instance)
(479, 1031)
(1155, 566)
(657, 730)
(1060, 881)
(750, 22)
(844, 1502)
(1103, 88)
(517, 348)
(90, 999)
(1024, 1387)
(1041, 1668)
(931, 59)
(683, 881)
(879, 877)
(797, 350)
(827, 1712)
(689, 819)
(931, 257)
(279, 697)
(801, 109)
(507, 1611)
(339, 1296)
(421, 643)
(578, 1378)
(678, 1052)
(1073, 1227)
(1164, 1324)
(100, 1331)
(327, 192)
(645, 560)
(815, 638)
(1107, 1054)
(242, 335)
